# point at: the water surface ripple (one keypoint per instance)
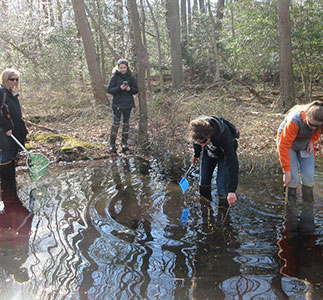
(114, 231)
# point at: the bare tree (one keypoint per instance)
(59, 12)
(143, 26)
(173, 26)
(140, 51)
(287, 90)
(202, 6)
(189, 15)
(215, 42)
(90, 53)
(184, 22)
(232, 20)
(161, 80)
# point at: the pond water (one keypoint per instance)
(113, 230)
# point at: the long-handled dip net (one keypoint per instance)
(37, 163)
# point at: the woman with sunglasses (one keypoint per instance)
(122, 86)
(11, 122)
(216, 138)
(295, 141)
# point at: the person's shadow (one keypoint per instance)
(15, 225)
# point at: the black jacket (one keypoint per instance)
(11, 118)
(223, 145)
(122, 99)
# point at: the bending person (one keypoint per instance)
(216, 139)
(295, 140)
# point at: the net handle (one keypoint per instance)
(21, 146)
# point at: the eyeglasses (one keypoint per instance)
(202, 142)
(14, 79)
(313, 125)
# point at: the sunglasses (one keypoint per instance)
(313, 125)
(14, 79)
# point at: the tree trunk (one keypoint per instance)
(51, 13)
(202, 6)
(45, 12)
(120, 25)
(287, 90)
(184, 22)
(189, 16)
(4, 11)
(101, 44)
(161, 79)
(90, 54)
(59, 12)
(140, 51)
(215, 42)
(147, 63)
(232, 21)
(173, 26)
(98, 28)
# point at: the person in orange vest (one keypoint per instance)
(295, 141)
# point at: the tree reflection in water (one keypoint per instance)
(113, 231)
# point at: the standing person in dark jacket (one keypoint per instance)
(214, 137)
(122, 86)
(11, 122)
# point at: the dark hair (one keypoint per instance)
(200, 129)
(122, 61)
(315, 110)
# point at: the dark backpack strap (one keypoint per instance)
(2, 104)
(6, 113)
(3, 100)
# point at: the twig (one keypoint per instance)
(225, 217)
(40, 127)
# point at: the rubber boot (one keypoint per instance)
(291, 217)
(113, 137)
(125, 134)
(205, 191)
(306, 223)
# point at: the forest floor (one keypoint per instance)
(75, 131)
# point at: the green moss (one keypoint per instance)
(74, 145)
(49, 138)
(64, 143)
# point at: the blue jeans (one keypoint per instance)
(301, 165)
(6, 156)
(117, 115)
(208, 165)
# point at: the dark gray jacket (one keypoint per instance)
(122, 99)
(11, 118)
(224, 145)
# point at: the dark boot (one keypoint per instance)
(8, 182)
(205, 191)
(13, 170)
(223, 202)
(113, 137)
(306, 223)
(291, 218)
(125, 134)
